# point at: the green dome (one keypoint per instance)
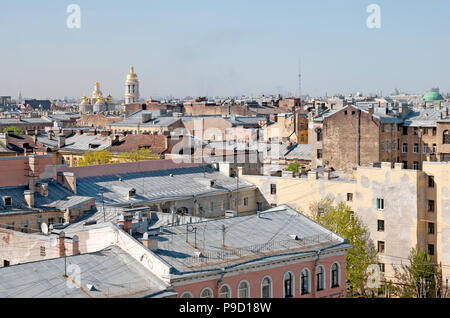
(432, 96)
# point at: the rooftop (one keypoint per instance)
(276, 233)
(112, 272)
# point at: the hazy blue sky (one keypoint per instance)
(223, 47)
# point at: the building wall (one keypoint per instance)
(275, 272)
(340, 133)
(14, 170)
(405, 193)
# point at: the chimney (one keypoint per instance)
(29, 198)
(146, 117)
(61, 245)
(68, 180)
(61, 140)
(4, 139)
(327, 174)
(43, 189)
(49, 135)
(75, 245)
(313, 175)
(150, 241)
(371, 110)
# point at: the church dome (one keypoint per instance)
(97, 93)
(432, 96)
(132, 75)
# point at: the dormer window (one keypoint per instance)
(7, 201)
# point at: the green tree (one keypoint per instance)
(14, 129)
(139, 155)
(293, 167)
(341, 220)
(420, 278)
(95, 158)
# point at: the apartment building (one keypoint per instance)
(402, 208)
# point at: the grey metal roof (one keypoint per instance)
(247, 238)
(81, 142)
(157, 185)
(244, 120)
(156, 120)
(296, 151)
(112, 271)
(58, 198)
(14, 121)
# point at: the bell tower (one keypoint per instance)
(131, 87)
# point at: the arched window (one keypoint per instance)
(244, 290)
(335, 275)
(305, 282)
(266, 287)
(206, 293)
(225, 292)
(288, 284)
(320, 278)
(446, 140)
(187, 294)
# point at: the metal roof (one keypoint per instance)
(248, 238)
(112, 271)
(157, 185)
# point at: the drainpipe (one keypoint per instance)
(222, 274)
(313, 278)
(358, 137)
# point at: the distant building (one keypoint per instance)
(38, 104)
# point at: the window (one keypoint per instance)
(74, 160)
(431, 181)
(434, 148)
(211, 206)
(42, 250)
(425, 131)
(425, 148)
(258, 206)
(334, 275)
(61, 220)
(382, 146)
(186, 294)
(320, 278)
(51, 221)
(245, 201)
(381, 266)
(243, 290)
(405, 131)
(225, 292)
(273, 189)
(416, 131)
(319, 153)
(6, 263)
(304, 282)
(380, 204)
(349, 197)
(10, 226)
(446, 138)
(380, 226)
(287, 284)
(430, 228)
(416, 165)
(24, 227)
(405, 164)
(7, 201)
(387, 146)
(206, 293)
(266, 288)
(405, 148)
(431, 205)
(380, 246)
(416, 148)
(434, 131)
(431, 249)
(319, 134)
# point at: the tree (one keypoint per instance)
(341, 220)
(420, 278)
(95, 158)
(295, 167)
(14, 129)
(139, 155)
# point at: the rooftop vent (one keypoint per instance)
(294, 237)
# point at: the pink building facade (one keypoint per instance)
(326, 279)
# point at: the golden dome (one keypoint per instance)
(132, 75)
(85, 100)
(99, 100)
(109, 99)
(97, 92)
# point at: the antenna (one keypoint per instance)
(300, 79)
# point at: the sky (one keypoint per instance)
(223, 48)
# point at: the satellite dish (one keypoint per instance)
(44, 228)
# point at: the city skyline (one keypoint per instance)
(251, 48)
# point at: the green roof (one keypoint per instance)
(432, 96)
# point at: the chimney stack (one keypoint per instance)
(29, 198)
(150, 241)
(61, 140)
